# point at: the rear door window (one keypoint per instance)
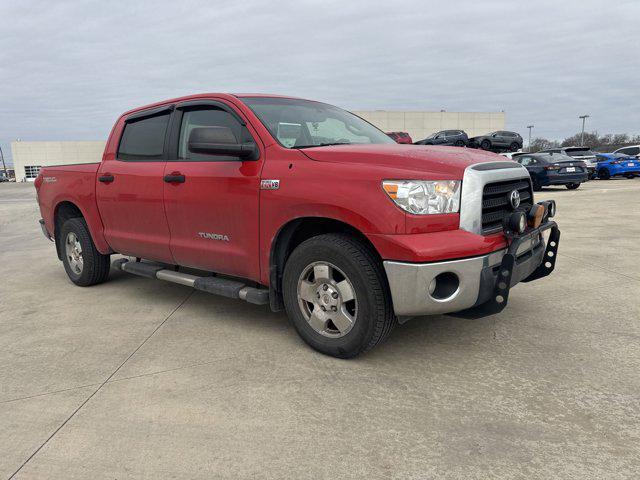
(143, 139)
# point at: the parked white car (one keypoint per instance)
(633, 150)
(510, 155)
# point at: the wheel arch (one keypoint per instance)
(292, 234)
(63, 211)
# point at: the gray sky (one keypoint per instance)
(68, 69)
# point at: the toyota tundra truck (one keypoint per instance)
(301, 206)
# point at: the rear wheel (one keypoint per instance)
(459, 143)
(485, 145)
(572, 186)
(336, 295)
(604, 174)
(630, 176)
(514, 147)
(84, 264)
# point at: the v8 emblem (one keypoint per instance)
(269, 184)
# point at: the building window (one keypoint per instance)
(31, 171)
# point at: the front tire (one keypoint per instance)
(336, 294)
(572, 186)
(485, 145)
(84, 264)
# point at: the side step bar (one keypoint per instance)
(215, 285)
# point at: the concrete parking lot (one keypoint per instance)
(138, 378)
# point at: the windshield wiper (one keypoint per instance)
(323, 145)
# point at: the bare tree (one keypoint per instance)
(539, 143)
(602, 143)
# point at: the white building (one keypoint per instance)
(422, 124)
(28, 157)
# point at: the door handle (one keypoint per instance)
(174, 178)
(106, 178)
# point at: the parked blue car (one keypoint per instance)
(614, 164)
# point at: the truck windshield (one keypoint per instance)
(303, 123)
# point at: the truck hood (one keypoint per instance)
(449, 162)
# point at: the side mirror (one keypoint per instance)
(220, 141)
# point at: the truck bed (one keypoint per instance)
(75, 184)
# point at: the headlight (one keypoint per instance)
(424, 197)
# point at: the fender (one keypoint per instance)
(89, 209)
(305, 212)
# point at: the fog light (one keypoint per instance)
(444, 286)
(536, 214)
(517, 222)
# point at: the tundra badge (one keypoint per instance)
(214, 236)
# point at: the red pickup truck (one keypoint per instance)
(302, 206)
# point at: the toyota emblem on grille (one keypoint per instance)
(514, 198)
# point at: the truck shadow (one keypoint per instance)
(220, 316)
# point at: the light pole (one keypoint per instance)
(4, 167)
(529, 127)
(583, 117)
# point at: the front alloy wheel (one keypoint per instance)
(336, 295)
(327, 299)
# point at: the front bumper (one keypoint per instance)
(455, 285)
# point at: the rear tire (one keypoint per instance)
(84, 264)
(629, 176)
(572, 186)
(335, 275)
(459, 143)
(604, 174)
(514, 147)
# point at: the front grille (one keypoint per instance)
(496, 204)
